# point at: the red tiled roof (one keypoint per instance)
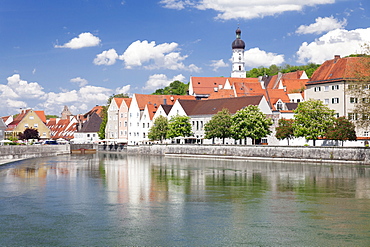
(206, 85)
(144, 99)
(222, 93)
(338, 69)
(41, 115)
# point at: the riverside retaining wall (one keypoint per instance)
(11, 153)
(313, 154)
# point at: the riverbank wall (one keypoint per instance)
(356, 155)
(11, 153)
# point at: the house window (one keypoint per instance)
(353, 100)
(326, 88)
(352, 116)
(125, 132)
(326, 101)
(148, 125)
(335, 100)
(44, 134)
(366, 133)
(365, 116)
(335, 87)
(88, 135)
(279, 106)
(121, 115)
(365, 100)
(143, 125)
(125, 123)
(32, 117)
(120, 124)
(317, 89)
(26, 125)
(240, 67)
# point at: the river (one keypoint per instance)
(119, 200)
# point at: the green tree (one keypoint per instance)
(274, 70)
(29, 133)
(175, 88)
(359, 88)
(341, 130)
(219, 126)
(158, 132)
(179, 126)
(285, 129)
(51, 116)
(312, 120)
(250, 122)
(103, 124)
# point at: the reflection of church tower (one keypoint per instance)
(65, 113)
(238, 46)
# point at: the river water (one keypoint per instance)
(119, 200)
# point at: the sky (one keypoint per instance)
(80, 52)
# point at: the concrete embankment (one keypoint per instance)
(13, 153)
(286, 153)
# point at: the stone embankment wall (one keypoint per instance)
(11, 153)
(289, 153)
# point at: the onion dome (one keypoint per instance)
(238, 43)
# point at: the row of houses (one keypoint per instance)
(80, 128)
(129, 120)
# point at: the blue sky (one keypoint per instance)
(79, 52)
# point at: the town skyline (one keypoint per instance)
(80, 54)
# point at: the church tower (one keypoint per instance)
(238, 47)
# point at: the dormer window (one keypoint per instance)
(279, 105)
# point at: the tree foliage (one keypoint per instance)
(219, 126)
(274, 70)
(179, 126)
(285, 129)
(250, 122)
(51, 116)
(103, 124)
(359, 88)
(312, 120)
(158, 132)
(175, 88)
(29, 133)
(342, 130)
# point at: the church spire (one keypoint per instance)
(238, 47)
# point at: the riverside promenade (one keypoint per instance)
(11, 153)
(355, 155)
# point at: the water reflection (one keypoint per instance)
(115, 199)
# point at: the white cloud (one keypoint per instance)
(15, 104)
(17, 93)
(123, 89)
(173, 4)
(322, 25)
(80, 81)
(23, 89)
(337, 42)
(148, 55)
(242, 9)
(216, 64)
(160, 81)
(106, 58)
(255, 57)
(142, 52)
(83, 40)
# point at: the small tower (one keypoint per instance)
(238, 47)
(65, 113)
